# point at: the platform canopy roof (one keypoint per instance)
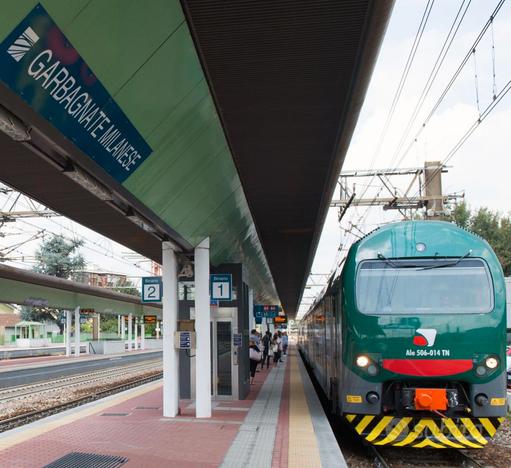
(247, 108)
(32, 289)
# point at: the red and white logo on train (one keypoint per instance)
(424, 337)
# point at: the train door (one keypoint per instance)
(328, 343)
(336, 357)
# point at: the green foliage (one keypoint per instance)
(58, 257)
(55, 257)
(491, 226)
(108, 324)
(127, 287)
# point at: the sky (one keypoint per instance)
(480, 168)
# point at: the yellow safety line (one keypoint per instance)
(303, 448)
(379, 428)
(474, 431)
(455, 431)
(394, 433)
(488, 426)
(351, 417)
(28, 433)
(363, 423)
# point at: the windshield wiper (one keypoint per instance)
(443, 265)
(395, 265)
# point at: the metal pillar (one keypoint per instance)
(142, 335)
(170, 355)
(130, 331)
(202, 329)
(251, 318)
(118, 325)
(77, 331)
(158, 330)
(123, 328)
(69, 324)
(135, 340)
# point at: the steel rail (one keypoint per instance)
(18, 391)
(25, 418)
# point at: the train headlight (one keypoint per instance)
(491, 362)
(362, 361)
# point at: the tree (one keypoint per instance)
(58, 257)
(55, 257)
(491, 226)
(126, 286)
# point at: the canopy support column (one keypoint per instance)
(130, 331)
(170, 309)
(202, 329)
(77, 331)
(69, 324)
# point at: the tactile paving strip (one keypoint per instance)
(253, 446)
(87, 460)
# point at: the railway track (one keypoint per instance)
(25, 391)
(25, 418)
(389, 458)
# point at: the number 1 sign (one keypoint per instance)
(152, 289)
(221, 287)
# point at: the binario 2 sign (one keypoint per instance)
(39, 64)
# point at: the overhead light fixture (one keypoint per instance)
(88, 183)
(140, 221)
(12, 126)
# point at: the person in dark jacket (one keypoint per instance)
(266, 343)
(255, 358)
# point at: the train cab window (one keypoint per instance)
(428, 286)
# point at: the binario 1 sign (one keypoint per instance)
(39, 64)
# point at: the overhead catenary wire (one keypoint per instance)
(453, 79)
(470, 52)
(446, 46)
(482, 116)
(453, 30)
(105, 251)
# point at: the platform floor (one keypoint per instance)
(280, 424)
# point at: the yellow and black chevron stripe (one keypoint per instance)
(425, 432)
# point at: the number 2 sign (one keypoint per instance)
(152, 289)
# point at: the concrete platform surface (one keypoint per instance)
(278, 425)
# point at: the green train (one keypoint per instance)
(408, 342)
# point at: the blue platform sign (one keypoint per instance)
(152, 289)
(221, 287)
(268, 311)
(39, 64)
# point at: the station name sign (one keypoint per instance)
(39, 64)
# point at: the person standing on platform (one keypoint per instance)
(266, 344)
(254, 337)
(276, 348)
(285, 340)
(255, 358)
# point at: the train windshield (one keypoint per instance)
(429, 286)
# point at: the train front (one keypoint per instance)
(424, 337)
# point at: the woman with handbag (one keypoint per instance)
(255, 358)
